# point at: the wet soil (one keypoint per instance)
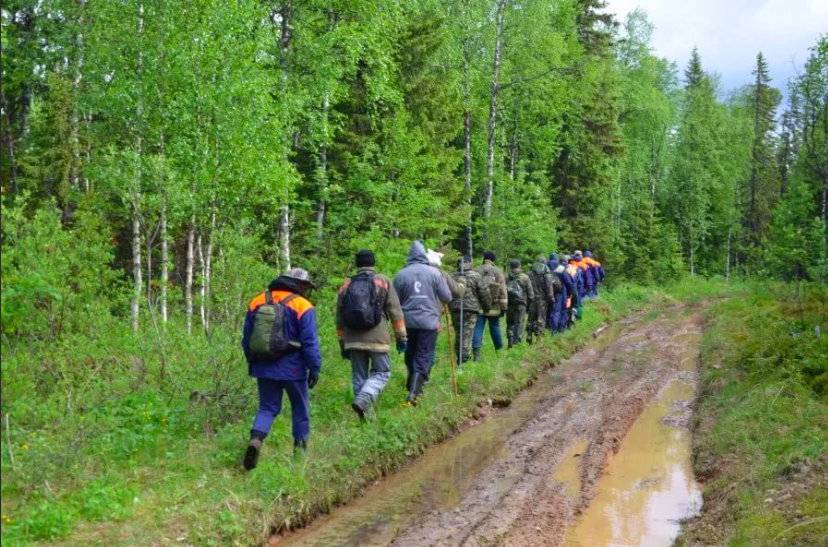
(596, 452)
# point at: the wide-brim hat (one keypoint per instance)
(299, 275)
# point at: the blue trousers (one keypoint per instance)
(270, 405)
(558, 314)
(494, 331)
(419, 354)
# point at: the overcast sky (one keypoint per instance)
(729, 33)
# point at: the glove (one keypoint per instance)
(313, 377)
(342, 351)
(402, 345)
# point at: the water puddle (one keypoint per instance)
(436, 480)
(648, 486)
(568, 471)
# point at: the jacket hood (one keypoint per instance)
(284, 283)
(417, 254)
(539, 267)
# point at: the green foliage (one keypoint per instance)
(760, 433)
(51, 284)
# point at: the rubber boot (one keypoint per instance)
(300, 446)
(359, 406)
(415, 389)
(251, 455)
(476, 354)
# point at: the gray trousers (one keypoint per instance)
(368, 381)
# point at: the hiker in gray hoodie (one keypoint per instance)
(423, 290)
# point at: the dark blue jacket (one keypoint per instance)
(301, 326)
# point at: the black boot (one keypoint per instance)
(476, 354)
(359, 407)
(300, 446)
(415, 388)
(251, 455)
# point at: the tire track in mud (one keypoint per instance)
(597, 396)
(514, 497)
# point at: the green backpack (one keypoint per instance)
(268, 340)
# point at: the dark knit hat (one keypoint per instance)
(514, 263)
(365, 258)
(489, 255)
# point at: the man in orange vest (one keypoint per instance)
(573, 304)
(597, 271)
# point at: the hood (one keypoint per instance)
(539, 268)
(417, 254)
(588, 254)
(284, 283)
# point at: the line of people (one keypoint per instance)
(281, 343)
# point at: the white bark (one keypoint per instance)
(500, 17)
(188, 275)
(165, 274)
(284, 237)
(138, 283)
(202, 308)
(323, 170)
(74, 118)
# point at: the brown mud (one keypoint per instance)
(596, 452)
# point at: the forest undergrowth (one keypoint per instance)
(141, 443)
(761, 433)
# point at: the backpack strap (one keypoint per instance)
(268, 297)
(284, 301)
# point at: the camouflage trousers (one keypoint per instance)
(469, 321)
(515, 318)
(538, 310)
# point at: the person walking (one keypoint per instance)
(281, 346)
(474, 301)
(543, 285)
(494, 279)
(559, 315)
(422, 290)
(365, 304)
(520, 294)
(598, 274)
(573, 304)
(587, 280)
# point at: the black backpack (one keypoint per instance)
(361, 306)
(268, 339)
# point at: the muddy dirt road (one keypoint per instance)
(596, 452)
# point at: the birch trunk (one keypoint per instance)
(208, 270)
(323, 171)
(188, 275)
(138, 282)
(493, 93)
(285, 37)
(74, 117)
(165, 274)
(467, 177)
(202, 309)
(284, 237)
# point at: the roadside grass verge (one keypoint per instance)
(761, 432)
(118, 440)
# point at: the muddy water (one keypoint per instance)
(522, 475)
(648, 486)
(434, 481)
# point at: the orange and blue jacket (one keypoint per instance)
(596, 269)
(578, 283)
(300, 326)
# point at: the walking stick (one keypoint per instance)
(452, 356)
